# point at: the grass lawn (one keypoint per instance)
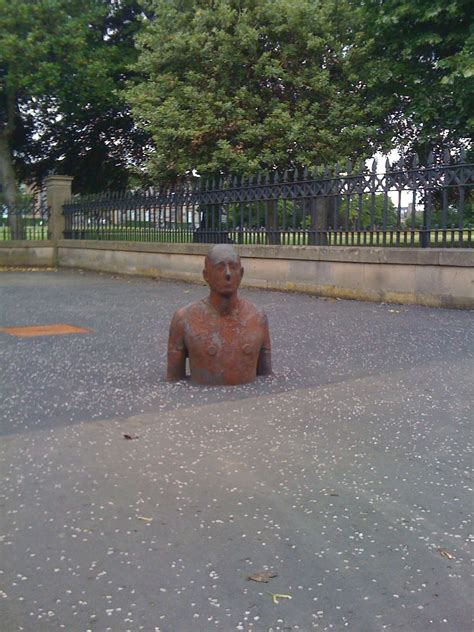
(393, 238)
(33, 233)
(335, 238)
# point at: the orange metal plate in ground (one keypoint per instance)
(43, 330)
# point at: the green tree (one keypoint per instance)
(288, 214)
(247, 85)
(423, 67)
(368, 210)
(61, 64)
(451, 217)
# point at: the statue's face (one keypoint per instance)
(223, 271)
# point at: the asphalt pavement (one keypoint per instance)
(346, 475)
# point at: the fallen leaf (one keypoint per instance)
(276, 597)
(446, 554)
(129, 436)
(394, 311)
(262, 576)
(145, 519)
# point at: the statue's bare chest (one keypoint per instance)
(223, 337)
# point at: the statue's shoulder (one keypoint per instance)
(187, 311)
(252, 310)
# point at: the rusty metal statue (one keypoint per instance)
(226, 338)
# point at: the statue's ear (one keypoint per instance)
(241, 273)
(204, 274)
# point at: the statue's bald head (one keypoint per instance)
(222, 252)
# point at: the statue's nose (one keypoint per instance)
(227, 273)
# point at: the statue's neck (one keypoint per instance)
(225, 305)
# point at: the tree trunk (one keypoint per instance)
(10, 190)
(320, 206)
(273, 236)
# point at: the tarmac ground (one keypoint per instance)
(346, 475)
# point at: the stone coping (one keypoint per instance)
(347, 254)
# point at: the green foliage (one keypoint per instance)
(247, 85)
(361, 212)
(61, 64)
(423, 67)
(368, 210)
(452, 216)
(236, 86)
(24, 202)
(288, 214)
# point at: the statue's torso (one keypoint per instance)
(223, 349)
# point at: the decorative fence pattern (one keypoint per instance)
(406, 206)
(30, 220)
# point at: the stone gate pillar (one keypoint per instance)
(58, 190)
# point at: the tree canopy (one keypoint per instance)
(245, 85)
(62, 63)
(235, 86)
(422, 67)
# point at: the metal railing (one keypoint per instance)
(404, 206)
(30, 221)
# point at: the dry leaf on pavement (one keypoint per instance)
(446, 554)
(262, 576)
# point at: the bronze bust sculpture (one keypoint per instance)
(225, 337)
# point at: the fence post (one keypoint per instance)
(425, 231)
(58, 190)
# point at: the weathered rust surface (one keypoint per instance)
(43, 330)
(226, 338)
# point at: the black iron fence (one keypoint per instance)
(28, 220)
(404, 206)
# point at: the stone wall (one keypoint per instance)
(434, 277)
(27, 253)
